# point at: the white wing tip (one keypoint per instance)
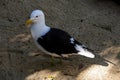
(92, 56)
(87, 54)
(84, 52)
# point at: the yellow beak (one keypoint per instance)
(28, 22)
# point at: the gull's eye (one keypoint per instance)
(36, 16)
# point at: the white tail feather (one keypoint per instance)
(84, 52)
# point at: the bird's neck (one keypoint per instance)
(39, 30)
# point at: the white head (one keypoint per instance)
(36, 17)
(37, 23)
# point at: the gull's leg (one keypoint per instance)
(52, 61)
(64, 58)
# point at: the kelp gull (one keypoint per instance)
(53, 40)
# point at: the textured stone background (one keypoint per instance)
(95, 23)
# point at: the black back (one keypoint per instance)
(57, 41)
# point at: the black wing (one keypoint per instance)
(58, 41)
